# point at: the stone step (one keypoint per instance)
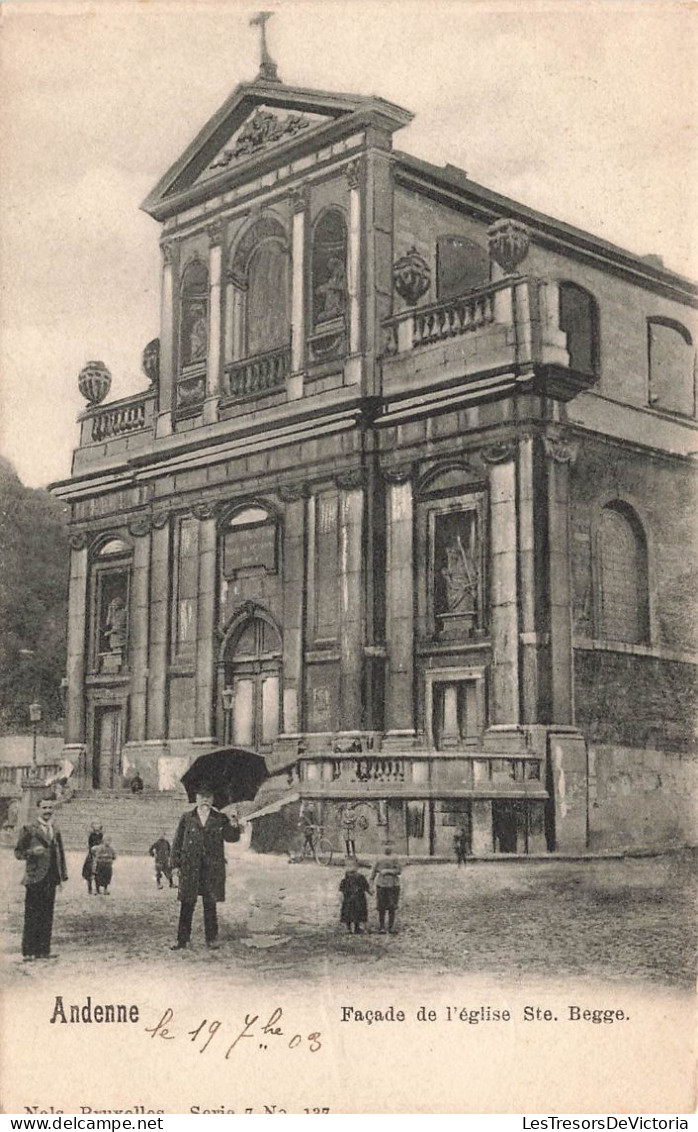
(132, 823)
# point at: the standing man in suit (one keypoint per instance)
(40, 846)
(198, 856)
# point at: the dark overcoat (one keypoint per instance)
(36, 866)
(198, 853)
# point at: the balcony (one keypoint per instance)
(122, 426)
(255, 376)
(492, 340)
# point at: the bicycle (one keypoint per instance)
(321, 847)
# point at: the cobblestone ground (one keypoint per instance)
(631, 921)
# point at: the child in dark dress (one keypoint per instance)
(353, 888)
(94, 837)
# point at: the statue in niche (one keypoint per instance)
(460, 575)
(333, 292)
(115, 627)
(197, 340)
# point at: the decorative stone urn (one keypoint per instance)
(509, 243)
(411, 277)
(150, 362)
(94, 382)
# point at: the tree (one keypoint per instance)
(34, 567)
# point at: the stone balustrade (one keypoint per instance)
(424, 773)
(121, 418)
(256, 375)
(16, 775)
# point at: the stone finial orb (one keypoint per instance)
(509, 243)
(411, 276)
(94, 382)
(150, 362)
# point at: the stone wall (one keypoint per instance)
(638, 701)
(641, 798)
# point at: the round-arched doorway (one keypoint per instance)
(252, 684)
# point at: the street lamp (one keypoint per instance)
(35, 720)
(228, 697)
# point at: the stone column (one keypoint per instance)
(561, 454)
(213, 365)
(294, 606)
(140, 585)
(299, 201)
(204, 726)
(351, 505)
(166, 380)
(503, 587)
(160, 598)
(352, 369)
(399, 614)
(77, 623)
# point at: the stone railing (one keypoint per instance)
(16, 775)
(260, 374)
(120, 418)
(422, 326)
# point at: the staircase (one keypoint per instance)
(132, 822)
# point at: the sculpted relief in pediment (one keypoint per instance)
(264, 128)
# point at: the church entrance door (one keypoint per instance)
(106, 760)
(253, 670)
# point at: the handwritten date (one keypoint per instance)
(265, 1034)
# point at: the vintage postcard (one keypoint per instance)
(348, 690)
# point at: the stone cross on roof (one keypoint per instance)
(267, 67)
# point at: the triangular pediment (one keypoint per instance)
(263, 129)
(260, 121)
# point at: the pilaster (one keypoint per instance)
(204, 727)
(160, 598)
(213, 365)
(351, 505)
(77, 622)
(561, 453)
(139, 634)
(399, 692)
(294, 608)
(298, 240)
(504, 593)
(164, 419)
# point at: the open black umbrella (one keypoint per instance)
(234, 775)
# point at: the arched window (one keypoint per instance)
(268, 324)
(461, 266)
(329, 286)
(623, 578)
(579, 318)
(252, 673)
(258, 322)
(193, 336)
(671, 360)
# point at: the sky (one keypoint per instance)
(584, 111)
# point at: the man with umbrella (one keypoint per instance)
(198, 857)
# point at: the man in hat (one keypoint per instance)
(386, 873)
(198, 857)
(41, 848)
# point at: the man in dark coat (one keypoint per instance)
(199, 858)
(40, 846)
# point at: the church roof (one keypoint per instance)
(259, 119)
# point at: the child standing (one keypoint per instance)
(104, 857)
(354, 887)
(160, 850)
